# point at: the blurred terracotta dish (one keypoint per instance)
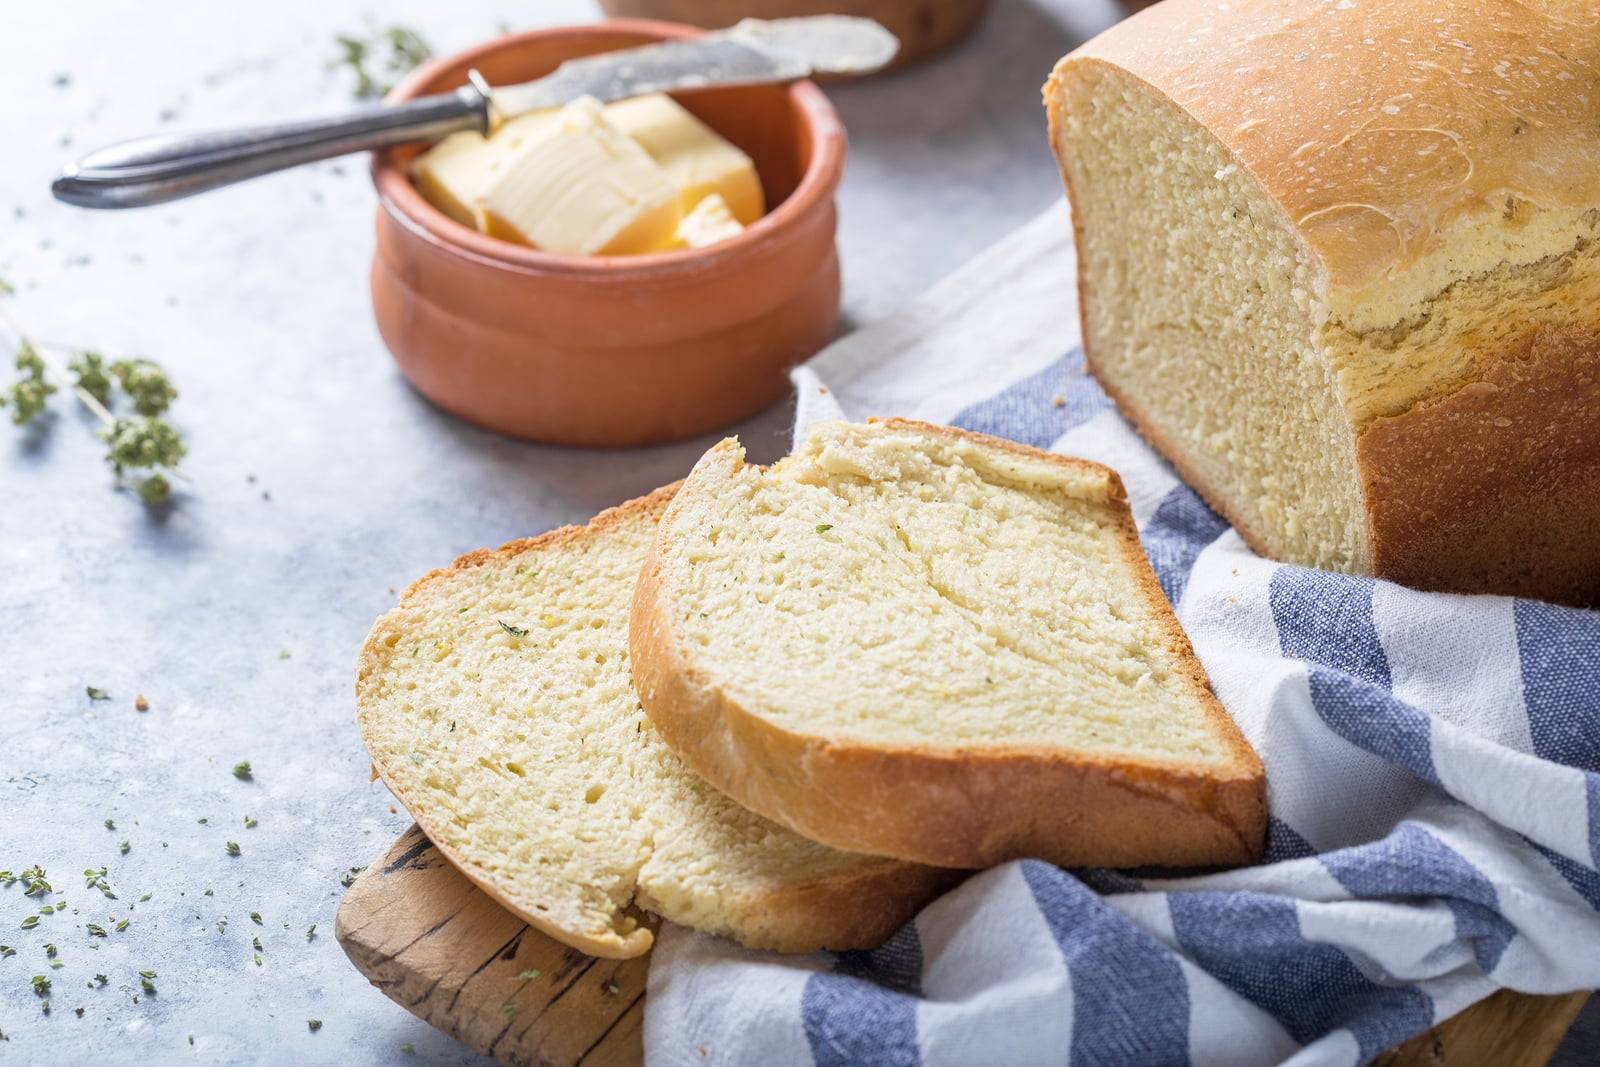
(614, 352)
(923, 26)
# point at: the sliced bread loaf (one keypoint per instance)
(918, 642)
(496, 703)
(1340, 263)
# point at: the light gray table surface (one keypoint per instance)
(320, 484)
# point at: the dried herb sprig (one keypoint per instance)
(147, 443)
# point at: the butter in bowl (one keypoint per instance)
(609, 276)
(637, 176)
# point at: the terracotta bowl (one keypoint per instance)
(923, 26)
(626, 350)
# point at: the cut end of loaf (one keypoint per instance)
(929, 644)
(1198, 304)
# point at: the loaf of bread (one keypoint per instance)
(917, 642)
(1340, 263)
(496, 703)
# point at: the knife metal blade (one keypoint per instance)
(754, 52)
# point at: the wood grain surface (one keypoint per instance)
(447, 953)
(443, 950)
(1507, 1029)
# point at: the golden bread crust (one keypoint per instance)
(1377, 127)
(1496, 487)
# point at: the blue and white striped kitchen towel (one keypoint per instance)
(1433, 768)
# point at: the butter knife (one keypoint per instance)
(153, 170)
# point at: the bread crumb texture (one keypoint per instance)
(894, 587)
(497, 701)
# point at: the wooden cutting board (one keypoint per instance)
(442, 949)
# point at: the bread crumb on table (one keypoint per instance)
(140, 703)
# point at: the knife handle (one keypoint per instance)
(153, 170)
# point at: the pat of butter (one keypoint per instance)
(708, 223)
(450, 174)
(581, 188)
(454, 174)
(697, 159)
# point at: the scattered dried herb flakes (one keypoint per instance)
(96, 879)
(255, 943)
(111, 824)
(407, 1049)
(529, 974)
(7, 950)
(124, 847)
(30, 922)
(255, 917)
(241, 770)
(96, 693)
(257, 957)
(95, 930)
(34, 883)
(313, 1025)
(249, 822)
(147, 981)
(232, 848)
(514, 631)
(311, 931)
(349, 877)
(824, 527)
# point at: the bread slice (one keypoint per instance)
(918, 642)
(496, 703)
